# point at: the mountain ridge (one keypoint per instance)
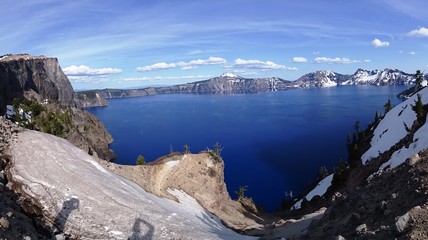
(230, 83)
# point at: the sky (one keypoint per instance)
(138, 43)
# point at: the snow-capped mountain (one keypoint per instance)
(320, 79)
(388, 76)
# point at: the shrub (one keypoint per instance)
(140, 160)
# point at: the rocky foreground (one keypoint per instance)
(72, 193)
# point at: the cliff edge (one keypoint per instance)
(24, 76)
(38, 85)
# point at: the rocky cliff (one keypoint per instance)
(24, 76)
(40, 80)
(199, 175)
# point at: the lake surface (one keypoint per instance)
(273, 142)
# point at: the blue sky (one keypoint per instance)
(132, 43)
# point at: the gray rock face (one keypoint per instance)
(401, 222)
(77, 196)
(39, 77)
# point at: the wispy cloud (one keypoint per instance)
(420, 32)
(183, 65)
(88, 79)
(83, 70)
(159, 78)
(337, 60)
(377, 43)
(257, 64)
(299, 60)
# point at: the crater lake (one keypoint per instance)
(273, 142)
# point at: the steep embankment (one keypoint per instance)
(385, 195)
(199, 175)
(40, 80)
(25, 76)
(48, 173)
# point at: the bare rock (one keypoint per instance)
(401, 222)
(38, 77)
(413, 159)
(199, 175)
(361, 228)
(4, 223)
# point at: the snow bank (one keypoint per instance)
(172, 163)
(319, 190)
(420, 142)
(103, 205)
(392, 127)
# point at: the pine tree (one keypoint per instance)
(140, 160)
(388, 106)
(241, 192)
(377, 117)
(419, 78)
(186, 149)
(322, 173)
(419, 109)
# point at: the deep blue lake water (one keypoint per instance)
(273, 142)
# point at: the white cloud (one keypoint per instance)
(316, 53)
(87, 79)
(378, 43)
(336, 60)
(187, 68)
(83, 70)
(257, 64)
(184, 65)
(300, 60)
(157, 66)
(367, 60)
(421, 32)
(412, 53)
(209, 61)
(158, 78)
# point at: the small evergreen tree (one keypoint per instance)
(419, 109)
(217, 149)
(186, 149)
(357, 127)
(377, 117)
(388, 106)
(241, 192)
(322, 173)
(419, 78)
(140, 160)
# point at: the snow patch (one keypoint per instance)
(392, 128)
(173, 163)
(319, 190)
(420, 142)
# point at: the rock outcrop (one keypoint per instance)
(71, 193)
(199, 175)
(14, 222)
(24, 76)
(40, 79)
